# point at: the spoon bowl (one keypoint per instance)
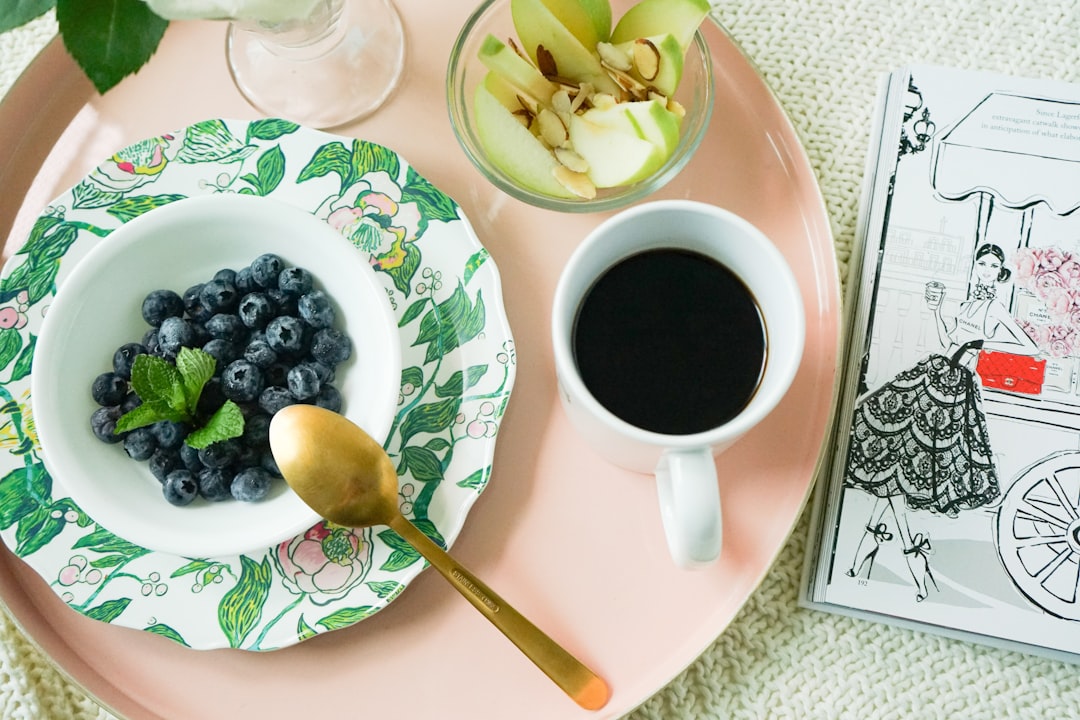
(343, 474)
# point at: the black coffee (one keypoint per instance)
(670, 341)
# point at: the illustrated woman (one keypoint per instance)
(920, 441)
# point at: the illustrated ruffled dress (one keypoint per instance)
(923, 435)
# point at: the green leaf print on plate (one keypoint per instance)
(457, 353)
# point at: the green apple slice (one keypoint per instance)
(514, 149)
(500, 58)
(647, 119)
(563, 54)
(680, 18)
(615, 158)
(669, 58)
(588, 20)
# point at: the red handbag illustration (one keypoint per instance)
(1016, 373)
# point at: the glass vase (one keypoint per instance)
(337, 65)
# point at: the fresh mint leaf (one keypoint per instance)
(109, 39)
(196, 368)
(227, 422)
(14, 13)
(159, 384)
(138, 417)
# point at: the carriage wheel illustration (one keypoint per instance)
(1038, 534)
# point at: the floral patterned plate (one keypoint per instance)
(458, 365)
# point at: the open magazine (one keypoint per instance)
(952, 499)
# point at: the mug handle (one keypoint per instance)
(690, 506)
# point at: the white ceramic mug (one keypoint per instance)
(684, 465)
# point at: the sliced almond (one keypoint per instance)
(524, 117)
(662, 99)
(560, 102)
(571, 160)
(528, 103)
(646, 59)
(613, 57)
(628, 83)
(552, 129)
(583, 94)
(603, 101)
(545, 61)
(575, 182)
(676, 107)
(516, 48)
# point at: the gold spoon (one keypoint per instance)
(343, 474)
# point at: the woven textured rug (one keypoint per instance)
(822, 58)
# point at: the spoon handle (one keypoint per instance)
(579, 682)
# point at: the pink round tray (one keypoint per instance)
(574, 543)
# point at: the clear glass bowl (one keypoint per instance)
(466, 71)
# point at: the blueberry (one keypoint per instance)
(169, 435)
(260, 354)
(331, 346)
(131, 401)
(242, 381)
(294, 281)
(161, 304)
(256, 310)
(103, 423)
(219, 454)
(251, 484)
(174, 334)
(226, 275)
(257, 430)
(140, 444)
(325, 373)
(150, 341)
(223, 351)
(124, 358)
(285, 303)
(226, 327)
(285, 334)
(163, 462)
(215, 484)
(189, 456)
(193, 304)
(244, 283)
(269, 463)
(277, 374)
(180, 487)
(303, 382)
(109, 389)
(315, 309)
(265, 270)
(219, 296)
(329, 397)
(274, 398)
(212, 397)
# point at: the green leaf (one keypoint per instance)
(386, 588)
(477, 480)
(166, 631)
(138, 417)
(227, 422)
(161, 385)
(413, 376)
(451, 323)
(10, 344)
(25, 360)
(430, 417)
(271, 169)
(402, 554)
(458, 383)
(37, 529)
(413, 311)
(49, 239)
(270, 129)
(196, 368)
(87, 195)
(21, 491)
(133, 207)
(367, 157)
(109, 39)
(102, 541)
(211, 141)
(330, 158)
(402, 275)
(345, 617)
(14, 13)
(422, 463)
(109, 610)
(303, 630)
(433, 203)
(241, 608)
(193, 567)
(473, 263)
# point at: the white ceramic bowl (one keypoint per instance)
(98, 308)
